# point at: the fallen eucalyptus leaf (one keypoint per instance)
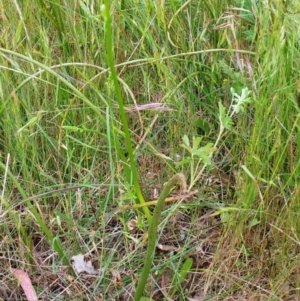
(26, 284)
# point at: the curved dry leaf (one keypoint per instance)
(132, 224)
(167, 248)
(26, 284)
(155, 106)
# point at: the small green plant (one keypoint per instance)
(198, 155)
(202, 156)
(186, 267)
(180, 276)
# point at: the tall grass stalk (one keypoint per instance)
(111, 62)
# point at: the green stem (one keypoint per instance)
(111, 63)
(152, 232)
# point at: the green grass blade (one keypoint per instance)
(110, 55)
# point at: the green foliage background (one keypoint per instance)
(60, 122)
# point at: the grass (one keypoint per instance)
(75, 148)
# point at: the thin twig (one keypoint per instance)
(154, 202)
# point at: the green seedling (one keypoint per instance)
(185, 269)
(180, 276)
(197, 156)
(202, 156)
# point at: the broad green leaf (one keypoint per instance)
(129, 195)
(225, 216)
(205, 152)
(186, 140)
(253, 222)
(196, 142)
(186, 267)
(225, 120)
(189, 149)
(183, 162)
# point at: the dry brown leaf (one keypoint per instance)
(83, 263)
(116, 278)
(155, 106)
(167, 248)
(132, 224)
(26, 284)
